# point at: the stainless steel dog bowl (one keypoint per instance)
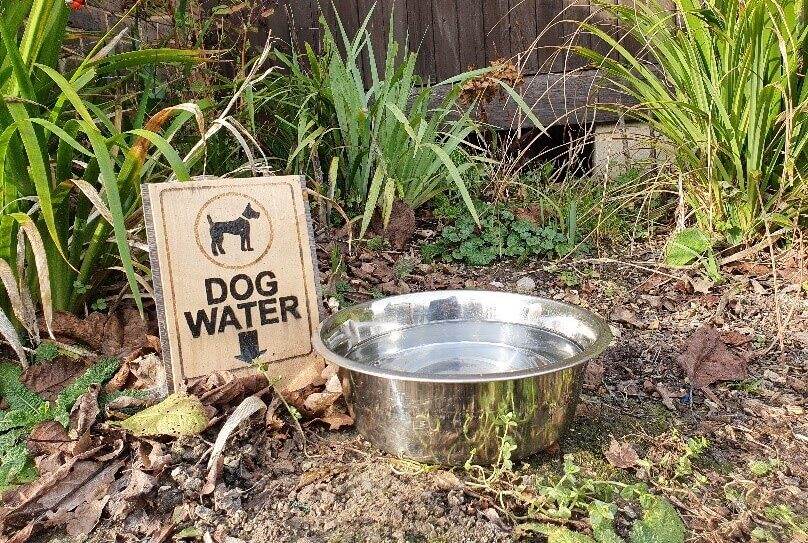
(449, 376)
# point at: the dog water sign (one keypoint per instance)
(234, 276)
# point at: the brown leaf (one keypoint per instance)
(624, 315)
(318, 402)
(118, 381)
(707, 359)
(700, 284)
(84, 412)
(140, 483)
(86, 517)
(115, 335)
(152, 455)
(593, 375)
(667, 396)
(621, 455)
(336, 421)
(733, 338)
(400, 229)
(48, 379)
(49, 438)
(233, 389)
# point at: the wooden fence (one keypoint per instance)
(451, 35)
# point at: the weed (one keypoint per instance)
(750, 385)
(762, 468)
(26, 409)
(732, 120)
(377, 244)
(47, 351)
(404, 266)
(570, 278)
(501, 235)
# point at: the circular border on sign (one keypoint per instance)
(264, 214)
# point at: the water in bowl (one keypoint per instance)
(464, 348)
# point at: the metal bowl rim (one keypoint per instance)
(602, 341)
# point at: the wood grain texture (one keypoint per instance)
(447, 38)
(422, 35)
(471, 35)
(524, 29)
(346, 13)
(497, 29)
(220, 300)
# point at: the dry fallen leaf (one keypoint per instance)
(623, 315)
(84, 412)
(335, 421)
(593, 375)
(707, 359)
(621, 455)
(48, 379)
(48, 438)
(178, 415)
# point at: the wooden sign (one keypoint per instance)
(234, 277)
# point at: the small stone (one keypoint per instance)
(333, 305)
(654, 324)
(496, 284)
(525, 285)
(205, 513)
(769, 375)
(226, 500)
(231, 539)
(284, 466)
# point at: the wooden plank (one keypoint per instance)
(575, 12)
(447, 39)
(397, 10)
(422, 37)
(552, 34)
(497, 29)
(471, 27)
(523, 15)
(570, 98)
(364, 8)
(348, 16)
(303, 20)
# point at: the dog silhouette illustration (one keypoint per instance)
(237, 227)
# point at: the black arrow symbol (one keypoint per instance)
(248, 343)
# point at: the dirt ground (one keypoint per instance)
(279, 485)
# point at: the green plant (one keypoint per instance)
(689, 245)
(762, 468)
(723, 82)
(69, 176)
(377, 244)
(500, 235)
(577, 493)
(391, 140)
(26, 409)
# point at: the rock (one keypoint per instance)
(231, 539)
(496, 284)
(204, 513)
(526, 285)
(226, 500)
(284, 466)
